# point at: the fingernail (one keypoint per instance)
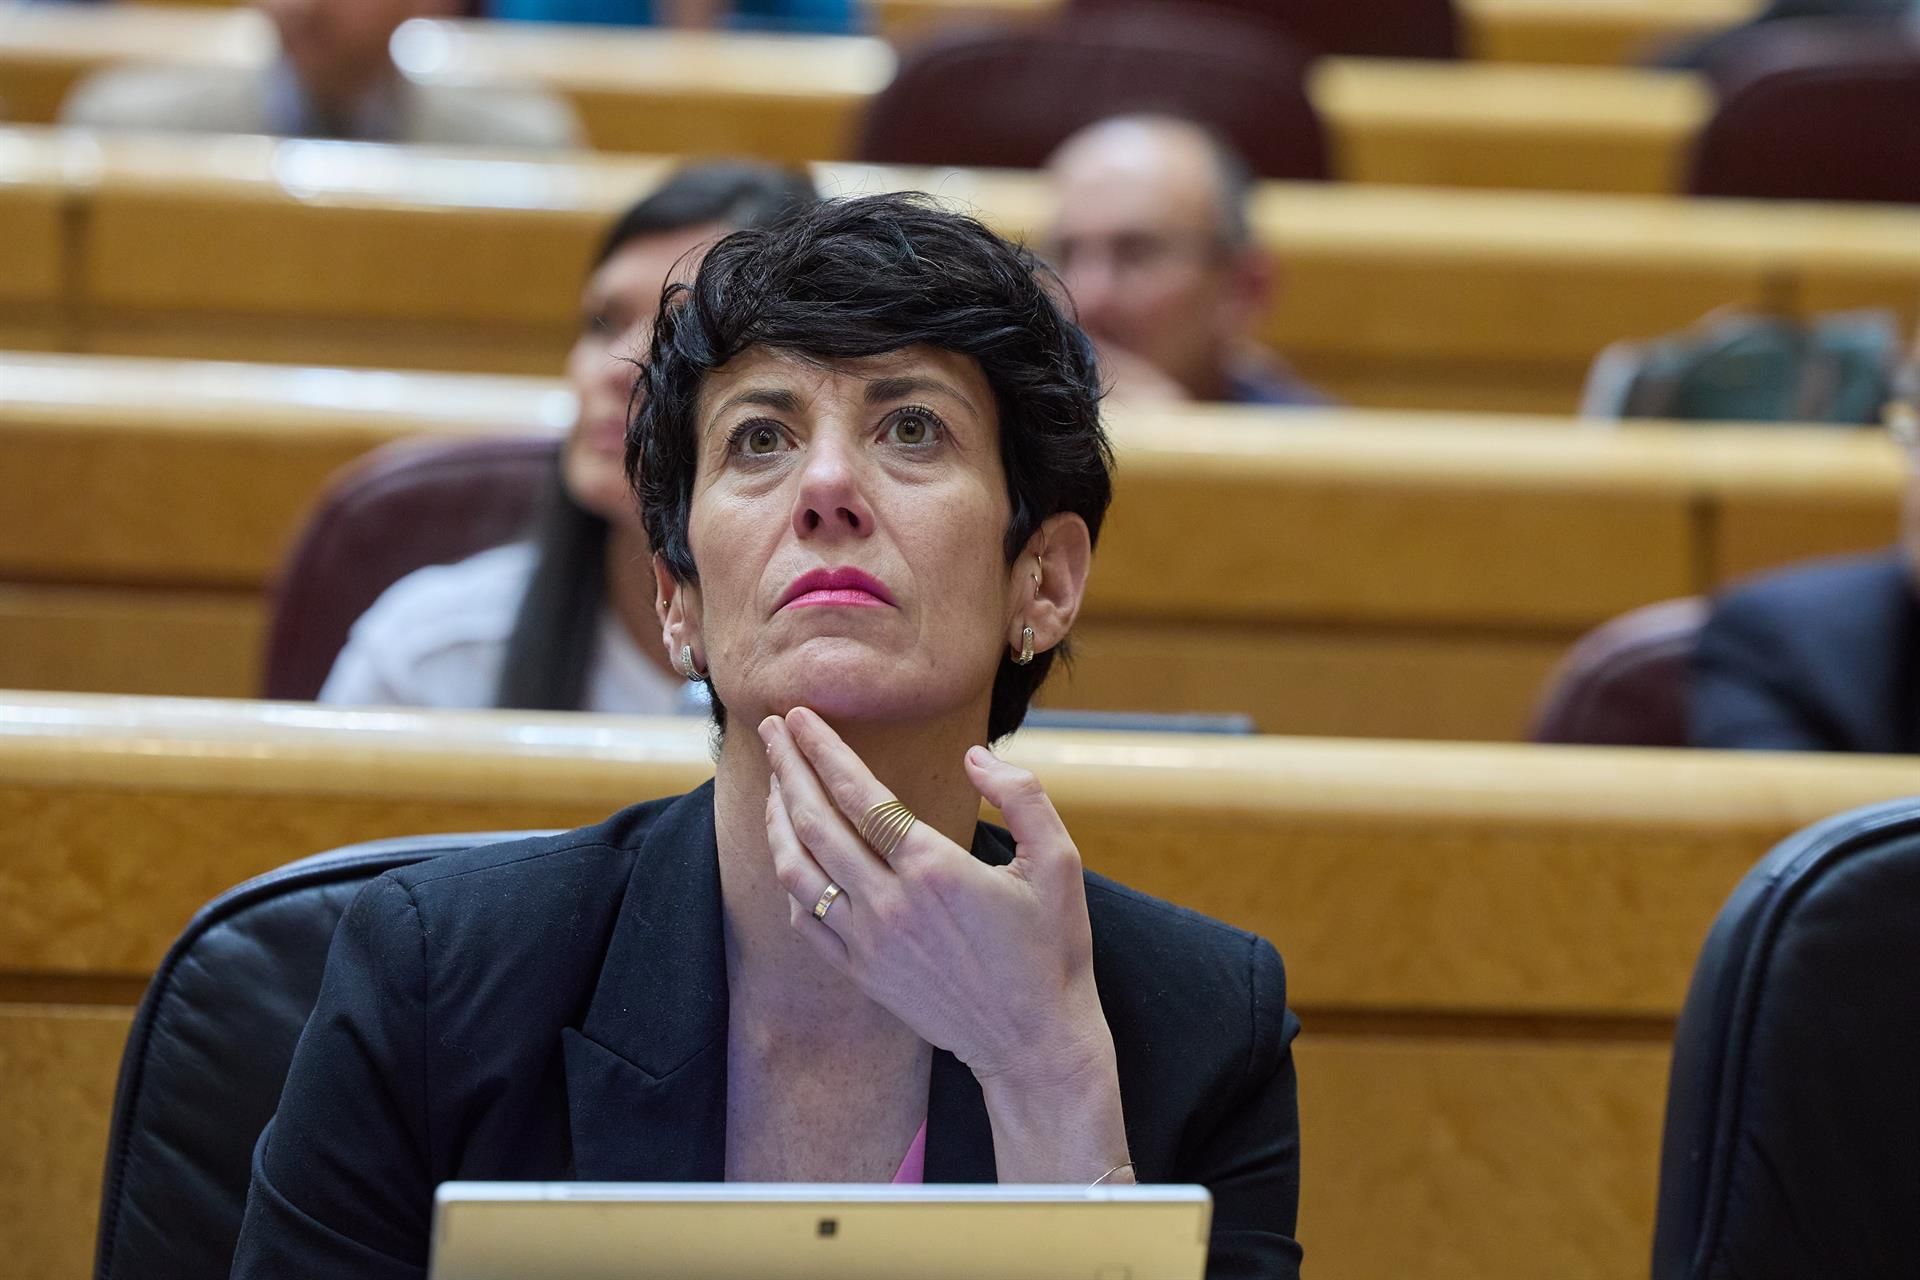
(980, 756)
(767, 729)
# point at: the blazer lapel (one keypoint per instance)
(647, 1066)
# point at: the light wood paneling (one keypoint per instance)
(1360, 683)
(1450, 877)
(800, 99)
(114, 640)
(1355, 573)
(1406, 1145)
(199, 474)
(1590, 32)
(1596, 32)
(1486, 944)
(1465, 1159)
(1445, 297)
(34, 245)
(59, 1065)
(1550, 128)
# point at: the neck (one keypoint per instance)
(772, 972)
(630, 592)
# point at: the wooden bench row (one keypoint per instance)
(1575, 32)
(801, 98)
(1487, 944)
(246, 248)
(1340, 572)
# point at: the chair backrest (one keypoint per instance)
(1814, 109)
(1736, 366)
(1007, 98)
(1625, 683)
(1792, 1143)
(401, 508)
(1376, 29)
(209, 1051)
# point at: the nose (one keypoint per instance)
(830, 502)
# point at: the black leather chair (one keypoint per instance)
(1792, 1144)
(209, 1051)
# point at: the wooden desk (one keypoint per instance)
(1370, 574)
(1399, 296)
(799, 99)
(33, 246)
(1592, 32)
(147, 502)
(1487, 945)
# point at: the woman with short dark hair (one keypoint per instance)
(872, 466)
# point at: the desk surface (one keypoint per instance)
(1467, 284)
(1483, 941)
(1542, 851)
(798, 98)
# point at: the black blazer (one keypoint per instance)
(557, 1009)
(1819, 657)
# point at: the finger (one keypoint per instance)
(1039, 835)
(817, 825)
(853, 789)
(803, 879)
(843, 775)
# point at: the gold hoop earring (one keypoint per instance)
(1026, 647)
(687, 668)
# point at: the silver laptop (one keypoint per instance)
(812, 1231)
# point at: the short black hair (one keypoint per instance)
(556, 629)
(863, 276)
(738, 193)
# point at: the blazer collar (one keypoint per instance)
(646, 1068)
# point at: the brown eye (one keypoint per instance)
(761, 438)
(913, 428)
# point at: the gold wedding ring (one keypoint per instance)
(885, 826)
(827, 896)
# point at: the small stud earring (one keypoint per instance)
(1040, 570)
(687, 668)
(1026, 647)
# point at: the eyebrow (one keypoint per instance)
(776, 398)
(881, 390)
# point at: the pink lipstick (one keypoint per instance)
(847, 587)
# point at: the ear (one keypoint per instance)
(678, 605)
(1048, 580)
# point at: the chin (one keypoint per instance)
(849, 681)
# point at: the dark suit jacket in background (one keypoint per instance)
(557, 1009)
(1819, 657)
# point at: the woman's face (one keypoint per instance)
(848, 523)
(616, 323)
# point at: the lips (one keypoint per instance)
(846, 587)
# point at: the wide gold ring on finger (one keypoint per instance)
(828, 896)
(885, 826)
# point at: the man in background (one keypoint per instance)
(334, 78)
(1823, 656)
(1152, 240)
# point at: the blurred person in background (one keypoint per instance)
(564, 621)
(1152, 239)
(1823, 656)
(818, 17)
(334, 78)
